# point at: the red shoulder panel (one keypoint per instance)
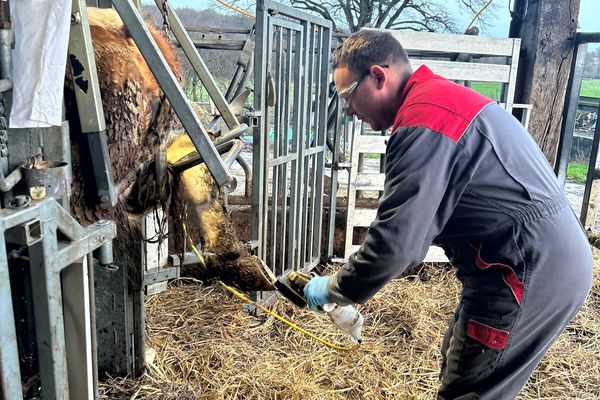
(438, 104)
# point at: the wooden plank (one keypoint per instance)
(363, 216)
(512, 81)
(449, 43)
(369, 181)
(370, 144)
(434, 254)
(466, 71)
(357, 129)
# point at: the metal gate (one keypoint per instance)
(290, 98)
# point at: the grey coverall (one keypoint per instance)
(463, 174)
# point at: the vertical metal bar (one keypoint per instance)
(89, 104)
(10, 374)
(570, 112)
(297, 149)
(48, 310)
(274, 243)
(92, 309)
(512, 80)
(283, 142)
(78, 333)
(199, 66)
(335, 162)
(590, 182)
(312, 115)
(83, 65)
(258, 134)
(320, 135)
(172, 90)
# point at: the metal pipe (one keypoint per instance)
(7, 183)
(5, 84)
(105, 253)
(232, 134)
(6, 40)
(248, 173)
(233, 153)
(197, 159)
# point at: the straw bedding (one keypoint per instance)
(207, 347)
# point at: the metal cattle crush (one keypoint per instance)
(291, 89)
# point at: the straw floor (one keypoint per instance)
(206, 347)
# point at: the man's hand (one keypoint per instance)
(316, 292)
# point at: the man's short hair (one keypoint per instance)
(367, 47)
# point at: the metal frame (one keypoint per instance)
(571, 102)
(293, 47)
(89, 103)
(37, 226)
(568, 126)
(199, 66)
(173, 91)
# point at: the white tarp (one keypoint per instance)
(41, 30)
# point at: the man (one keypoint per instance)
(463, 174)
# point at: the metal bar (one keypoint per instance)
(283, 140)
(10, 373)
(48, 311)
(83, 66)
(232, 134)
(218, 44)
(5, 84)
(210, 29)
(588, 37)
(282, 160)
(92, 307)
(277, 8)
(320, 136)
(296, 165)
(78, 334)
(259, 139)
(199, 66)
(169, 85)
(307, 160)
(233, 153)
(335, 160)
(94, 236)
(89, 103)
(274, 168)
(570, 112)
(589, 182)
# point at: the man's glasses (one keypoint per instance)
(346, 93)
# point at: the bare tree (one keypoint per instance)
(418, 15)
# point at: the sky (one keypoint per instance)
(589, 14)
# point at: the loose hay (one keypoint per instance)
(208, 347)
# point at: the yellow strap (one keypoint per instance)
(247, 14)
(271, 313)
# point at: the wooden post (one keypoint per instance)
(547, 30)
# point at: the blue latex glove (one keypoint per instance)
(316, 292)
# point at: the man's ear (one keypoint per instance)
(380, 74)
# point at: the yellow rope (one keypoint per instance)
(247, 14)
(271, 313)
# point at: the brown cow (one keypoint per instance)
(139, 122)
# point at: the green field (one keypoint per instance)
(577, 172)
(589, 88)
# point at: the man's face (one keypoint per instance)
(363, 94)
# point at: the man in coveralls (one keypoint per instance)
(463, 174)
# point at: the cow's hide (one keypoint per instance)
(139, 121)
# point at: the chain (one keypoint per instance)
(165, 14)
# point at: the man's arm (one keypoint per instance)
(426, 173)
